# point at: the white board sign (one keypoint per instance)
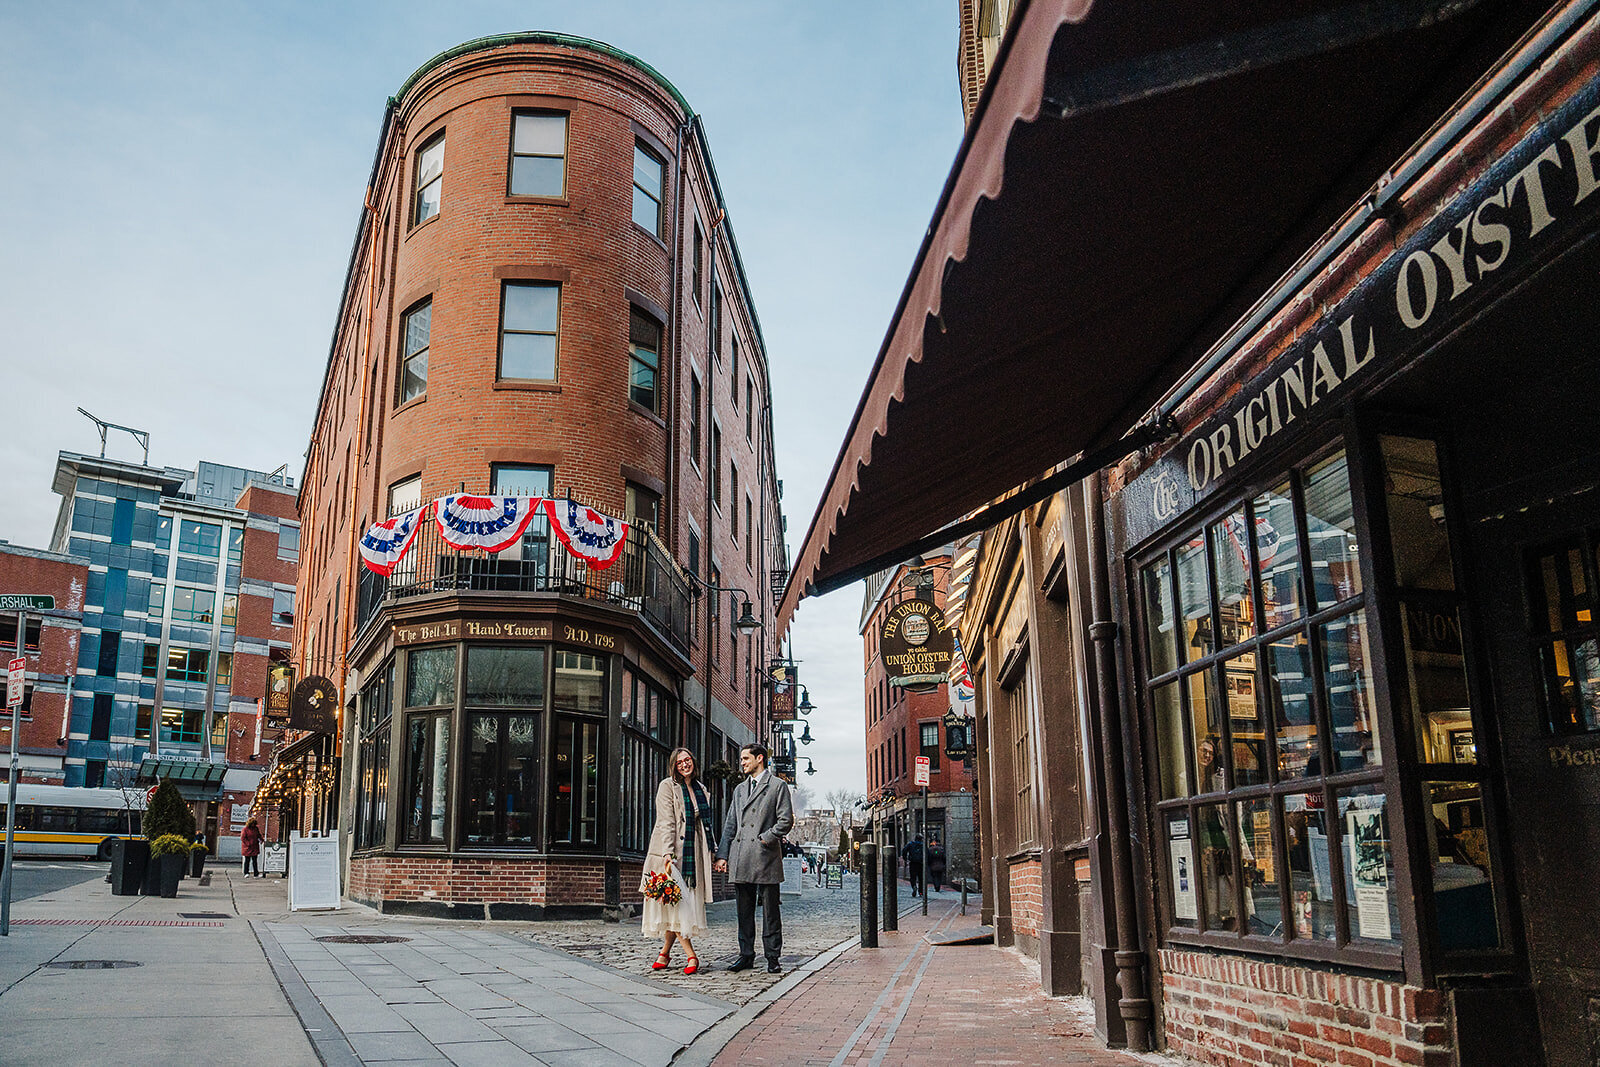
(313, 873)
(274, 859)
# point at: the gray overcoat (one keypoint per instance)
(752, 833)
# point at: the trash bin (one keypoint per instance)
(129, 859)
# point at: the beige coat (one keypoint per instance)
(667, 838)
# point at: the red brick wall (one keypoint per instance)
(42, 724)
(1027, 897)
(485, 881)
(1229, 1010)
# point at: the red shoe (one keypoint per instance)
(661, 962)
(694, 965)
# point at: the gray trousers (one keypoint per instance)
(771, 919)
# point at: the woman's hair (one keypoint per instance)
(672, 765)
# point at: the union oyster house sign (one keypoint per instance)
(1528, 203)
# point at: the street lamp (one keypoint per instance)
(746, 623)
(805, 707)
(805, 736)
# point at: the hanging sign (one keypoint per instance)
(594, 538)
(785, 681)
(280, 694)
(490, 523)
(916, 643)
(315, 706)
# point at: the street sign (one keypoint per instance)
(16, 674)
(922, 771)
(26, 602)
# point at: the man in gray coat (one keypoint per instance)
(751, 853)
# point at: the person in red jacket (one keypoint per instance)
(250, 845)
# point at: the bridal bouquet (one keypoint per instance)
(661, 886)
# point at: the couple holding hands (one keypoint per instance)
(750, 852)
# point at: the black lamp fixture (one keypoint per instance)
(746, 623)
(805, 736)
(810, 767)
(805, 707)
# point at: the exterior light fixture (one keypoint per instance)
(805, 737)
(805, 707)
(747, 623)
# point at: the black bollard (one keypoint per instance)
(869, 895)
(891, 888)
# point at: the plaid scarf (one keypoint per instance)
(698, 805)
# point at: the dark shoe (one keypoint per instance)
(743, 963)
(772, 967)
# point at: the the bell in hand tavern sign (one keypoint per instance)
(315, 706)
(917, 644)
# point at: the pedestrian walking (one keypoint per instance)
(250, 846)
(680, 848)
(936, 861)
(913, 856)
(751, 851)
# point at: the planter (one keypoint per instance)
(170, 873)
(150, 884)
(197, 862)
(129, 861)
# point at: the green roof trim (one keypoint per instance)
(564, 40)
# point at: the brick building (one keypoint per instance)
(162, 600)
(544, 298)
(1273, 345)
(904, 722)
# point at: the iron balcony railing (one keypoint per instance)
(645, 579)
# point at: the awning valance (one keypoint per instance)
(195, 779)
(1136, 176)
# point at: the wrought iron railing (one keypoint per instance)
(644, 579)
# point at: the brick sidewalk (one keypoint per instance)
(908, 1002)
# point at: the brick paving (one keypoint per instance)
(909, 1002)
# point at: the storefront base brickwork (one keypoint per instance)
(1027, 897)
(1229, 1010)
(449, 887)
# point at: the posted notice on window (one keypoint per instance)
(1181, 849)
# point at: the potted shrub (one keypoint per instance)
(166, 814)
(197, 859)
(169, 854)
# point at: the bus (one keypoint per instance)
(55, 820)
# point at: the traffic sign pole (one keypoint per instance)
(15, 700)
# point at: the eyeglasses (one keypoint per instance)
(686, 761)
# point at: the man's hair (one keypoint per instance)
(757, 749)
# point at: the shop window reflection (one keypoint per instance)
(1330, 532)
(1258, 861)
(1372, 910)
(1566, 637)
(1311, 899)
(1348, 679)
(1463, 883)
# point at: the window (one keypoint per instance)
(282, 606)
(500, 797)
(427, 779)
(431, 677)
(538, 153)
(928, 738)
(405, 495)
(733, 370)
(180, 725)
(697, 277)
(694, 553)
(110, 644)
(694, 418)
(122, 522)
(200, 538)
(733, 516)
(429, 180)
(749, 409)
(100, 720)
(414, 332)
(8, 634)
(530, 317)
(157, 605)
(194, 605)
(749, 533)
(235, 543)
(372, 797)
(288, 542)
(648, 181)
(219, 730)
(644, 361)
(230, 609)
(532, 557)
(716, 319)
(224, 669)
(1261, 689)
(1566, 644)
(94, 777)
(641, 505)
(1019, 714)
(188, 664)
(716, 465)
(579, 689)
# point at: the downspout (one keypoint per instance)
(676, 310)
(1134, 1004)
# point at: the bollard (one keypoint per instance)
(891, 888)
(963, 894)
(869, 895)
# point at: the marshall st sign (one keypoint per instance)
(26, 602)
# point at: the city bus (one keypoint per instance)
(55, 820)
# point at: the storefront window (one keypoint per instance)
(499, 804)
(580, 682)
(644, 757)
(1566, 637)
(575, 782)
(427, 778)
(372, 801)
(431, 677)
(1273, 695)
(1158, 618)
(1372, 910)
(1463, 881)
(505, 676)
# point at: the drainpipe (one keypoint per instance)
(1134, 1004)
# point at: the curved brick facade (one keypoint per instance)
(581, 424)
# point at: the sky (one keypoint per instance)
(182, 183)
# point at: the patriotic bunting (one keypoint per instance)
(595, 538)
(492, 523)
(960, 677)
(386, 542)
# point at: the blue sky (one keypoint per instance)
(183, 181)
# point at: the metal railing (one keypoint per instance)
(645, 579)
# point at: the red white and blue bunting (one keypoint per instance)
(492, 523)
(595, 538)
(386, 543)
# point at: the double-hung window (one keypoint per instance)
(429, 180)
(648, 183)
(530, 321)
(414, 334)
(538, 154)
(644, 361)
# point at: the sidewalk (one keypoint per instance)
(910, 1003)
(178, 990)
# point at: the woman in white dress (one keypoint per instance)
(680, 845)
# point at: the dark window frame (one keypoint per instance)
(554, 332)
(410, 356)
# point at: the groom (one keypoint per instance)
(751, 853)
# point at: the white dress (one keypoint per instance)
(687, 917)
